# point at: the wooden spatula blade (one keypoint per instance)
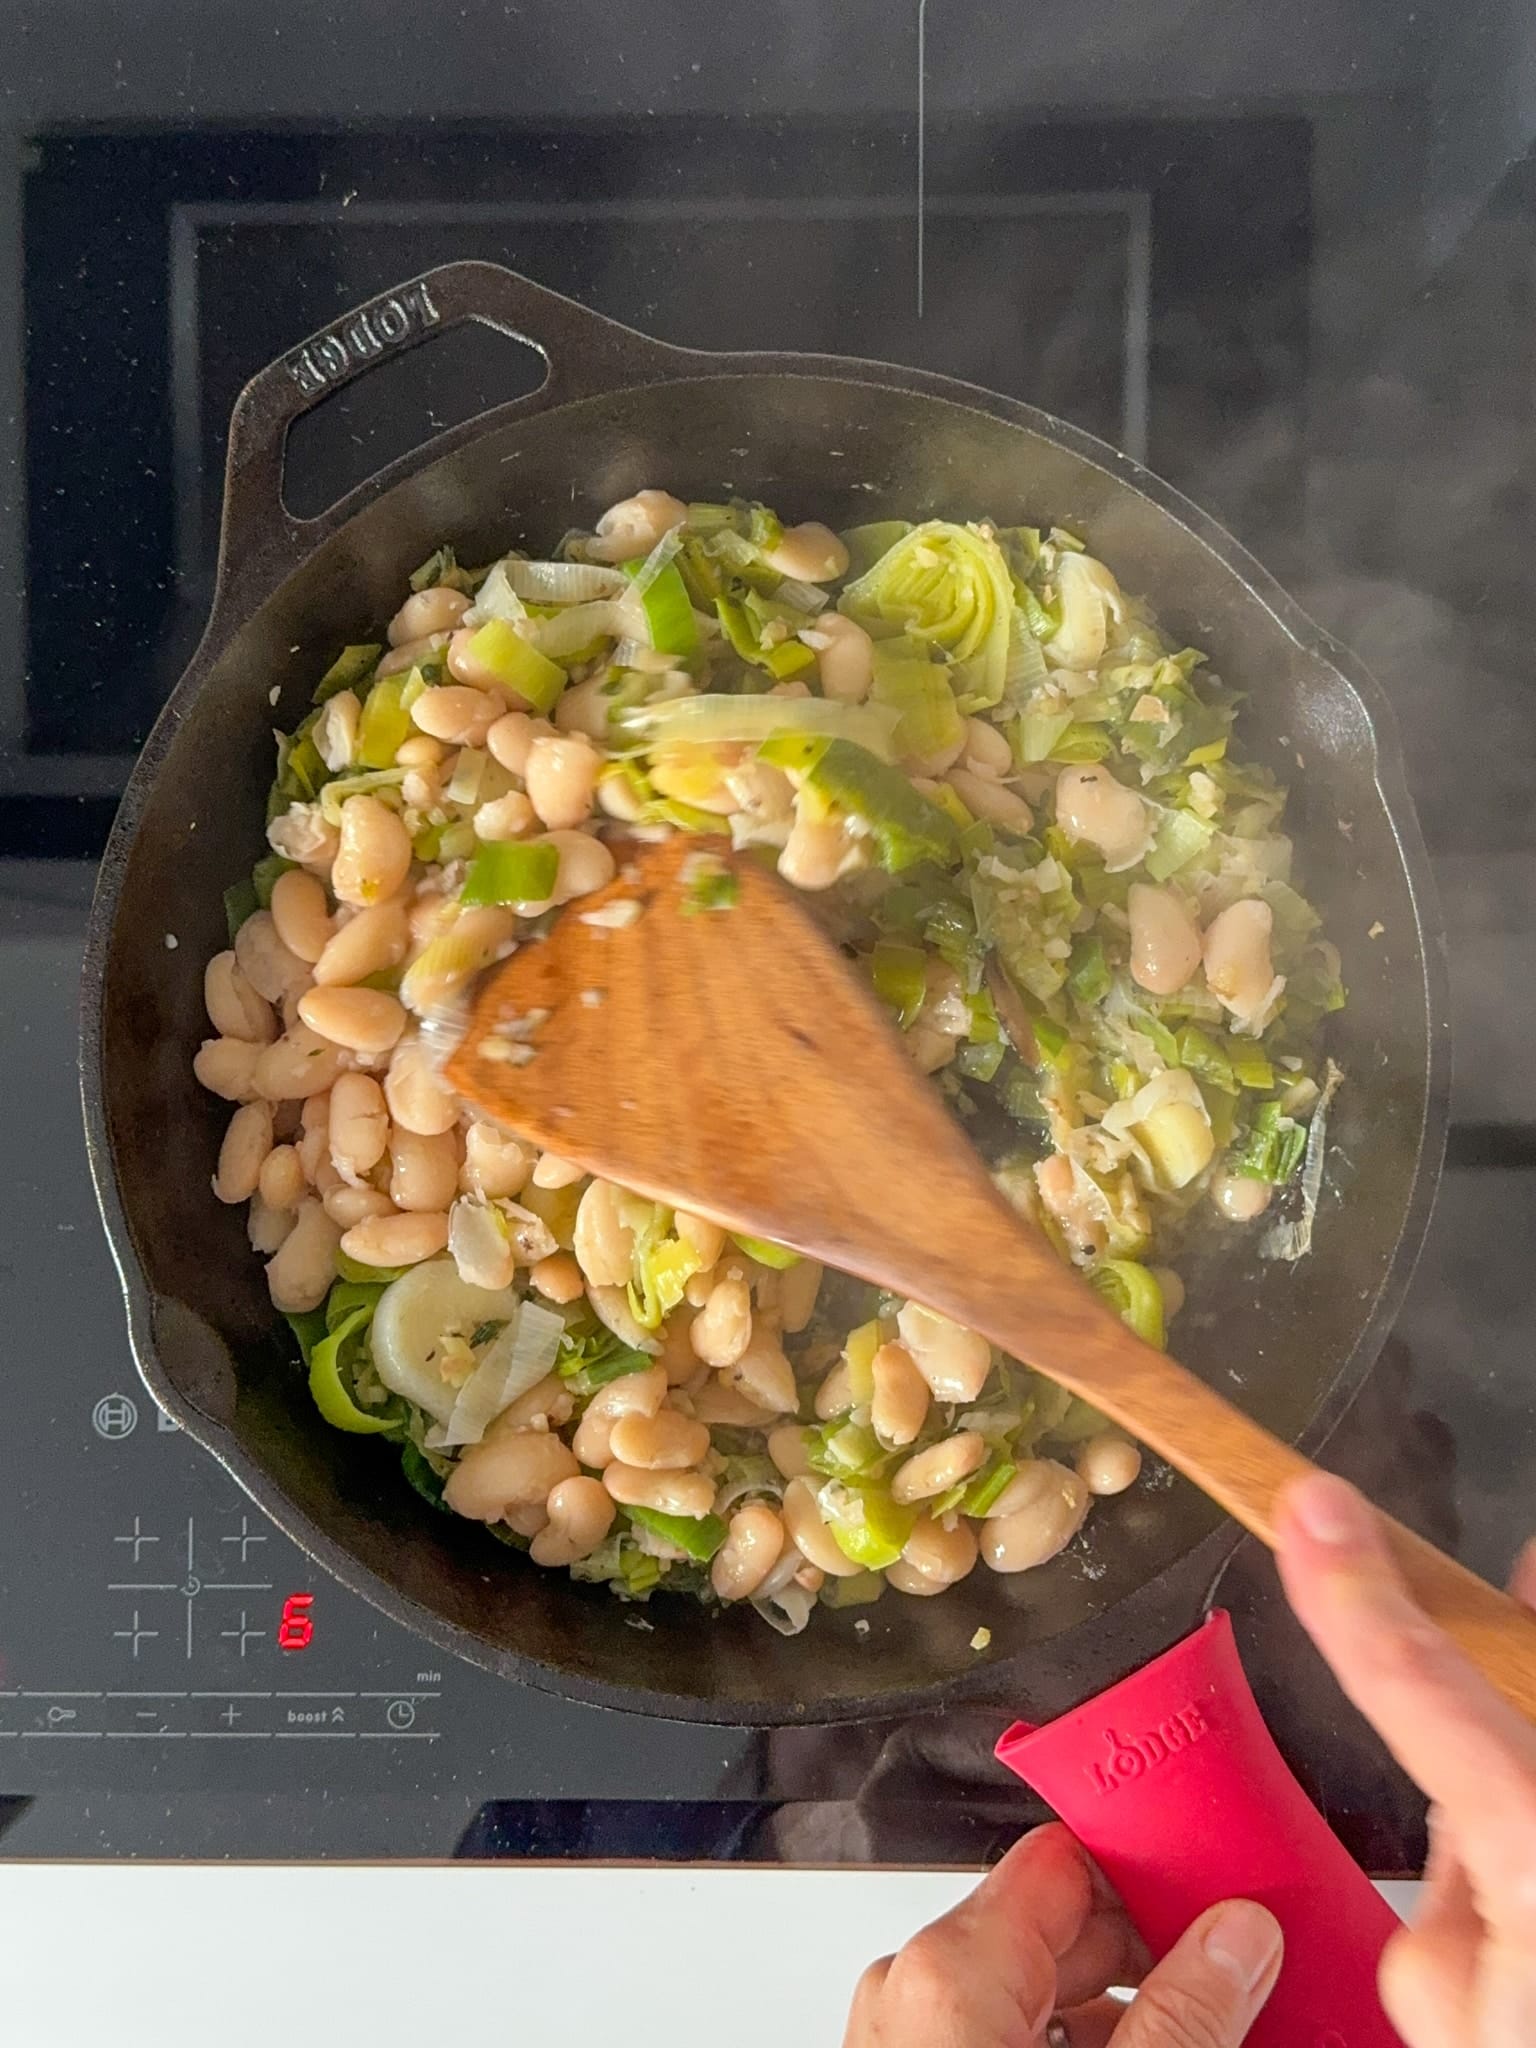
(728, 1060)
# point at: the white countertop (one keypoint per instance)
(382, 1956)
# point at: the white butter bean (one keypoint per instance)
(1045, 1506)
(281, 1184)
(437, 609)
(397, 1240)
(266, 962)
(561, 774)
(1092, 805)
(953, 1360)
(358, 1128)
(749, 1553)
(511, 739)
(634, 525)
(990, 800)
(1238, 966)
(900, 1405)
(495, 1163)
(810, 553)
(508, 1468)
(638, 1393)
(301, 914)
(419, 1099)
(1165, 940)
(227, 1067)
(788, 1450)
(581, 1512)
(371, 942)
(364, 1020)
(845, 664)
(247, 1142)
(669, 1493)
(604, 1243)
(299, 1064)
(234, 1008)
(423, 1172)
(1239, 1198)
(933, 1558)
(762, 1372)
(1108, 1464)
(375, 853)
(722, 1329)
(810, 1534)
(940, 1467)
(300, 1273)
(458, 714)
(664, 1442)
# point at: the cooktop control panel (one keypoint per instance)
(181, 1618)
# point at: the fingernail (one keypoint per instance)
(1329, 1511)
(1244, 1940)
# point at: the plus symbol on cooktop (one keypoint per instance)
(243, 1634)
(246, 1538)
(137, 1540)
(135, 1635)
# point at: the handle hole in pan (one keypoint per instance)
(400, 404)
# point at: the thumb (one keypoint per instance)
(1207, 1990)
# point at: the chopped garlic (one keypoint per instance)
(612, 916)
(502, 1052)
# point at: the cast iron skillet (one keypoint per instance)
(818, 436)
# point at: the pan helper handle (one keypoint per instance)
(1174, 1785)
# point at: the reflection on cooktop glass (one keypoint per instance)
(1059, 263)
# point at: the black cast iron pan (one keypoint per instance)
(818, 436)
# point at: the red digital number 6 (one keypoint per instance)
(296, 1627)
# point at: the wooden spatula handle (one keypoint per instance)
(1496, 1633)
(1244, 1468)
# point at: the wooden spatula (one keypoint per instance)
(730, 1062)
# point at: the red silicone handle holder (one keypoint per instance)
(1170, 1780)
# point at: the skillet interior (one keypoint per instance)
(1290, 1343)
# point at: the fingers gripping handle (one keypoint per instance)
(1172, 1783)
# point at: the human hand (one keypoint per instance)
(1042, 1937)
(1464, 1976)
